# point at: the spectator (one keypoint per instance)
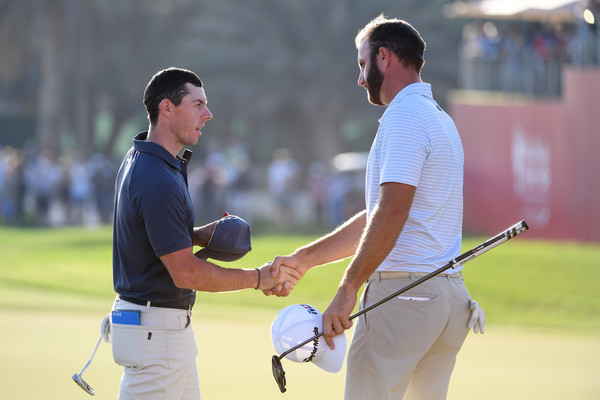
(282, 174)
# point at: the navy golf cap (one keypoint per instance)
(230, 240)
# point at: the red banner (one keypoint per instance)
(534, 160)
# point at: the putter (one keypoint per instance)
(77, 377)
(518, 228)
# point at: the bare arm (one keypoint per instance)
(338, 245)
(380, 236)
(189, 272)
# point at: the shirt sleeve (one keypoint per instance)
(403, 148)
(163, 209)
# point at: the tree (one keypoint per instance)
(44, 32)
(278, 73)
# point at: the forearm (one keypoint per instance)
(377, 242)
(189, 272)
(380, 235)
(338, 245)
(218, 279)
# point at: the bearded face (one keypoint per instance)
(373, 81)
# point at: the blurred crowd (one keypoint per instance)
(282, 194)
(38, 188)
(524, 57)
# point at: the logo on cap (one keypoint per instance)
(315, 344)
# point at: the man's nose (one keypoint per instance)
(361, 79)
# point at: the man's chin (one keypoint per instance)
(192, 142)
(375, 100)
(195, 138)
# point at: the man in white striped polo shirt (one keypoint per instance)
(412, 225)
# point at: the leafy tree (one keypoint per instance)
(277, 73)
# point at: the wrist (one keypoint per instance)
(350, 283)
(302, 260)
(347, 289)
(258, 283)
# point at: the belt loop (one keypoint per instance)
(378, 276)
(148, 304)
(412, 276)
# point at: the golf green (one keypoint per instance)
(42, 350)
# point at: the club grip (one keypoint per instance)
(489, 244)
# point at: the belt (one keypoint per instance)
(380, 275)
(154, 304)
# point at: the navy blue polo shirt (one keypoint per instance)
(153, 217)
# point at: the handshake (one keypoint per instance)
(229, 239)
(280, 276)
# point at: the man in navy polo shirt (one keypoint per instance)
(155, 270)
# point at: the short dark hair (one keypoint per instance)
(167, 84)
(396, 35)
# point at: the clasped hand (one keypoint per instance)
(282, 281)
(284, 264)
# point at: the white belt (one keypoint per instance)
(157, 317)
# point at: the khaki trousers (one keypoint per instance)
(406, 348)
(163, 365)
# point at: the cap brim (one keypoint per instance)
(218, 255)
(333, 360)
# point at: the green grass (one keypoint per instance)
(541, 340)
(523, 282)
(41, 350)
(535, 283)
(48, 268)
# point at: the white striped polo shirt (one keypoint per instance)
(417, 144)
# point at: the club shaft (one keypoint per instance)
(463, 258)
(489, 244)
(92, 356)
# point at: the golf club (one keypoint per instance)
(77, 377)
(520, 227)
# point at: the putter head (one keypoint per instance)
(83, 384)
(278, 373)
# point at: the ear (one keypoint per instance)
(165, 108)
(384, 57)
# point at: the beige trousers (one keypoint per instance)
(406, 348)
(158, 356)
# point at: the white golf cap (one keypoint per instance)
(299, 322)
